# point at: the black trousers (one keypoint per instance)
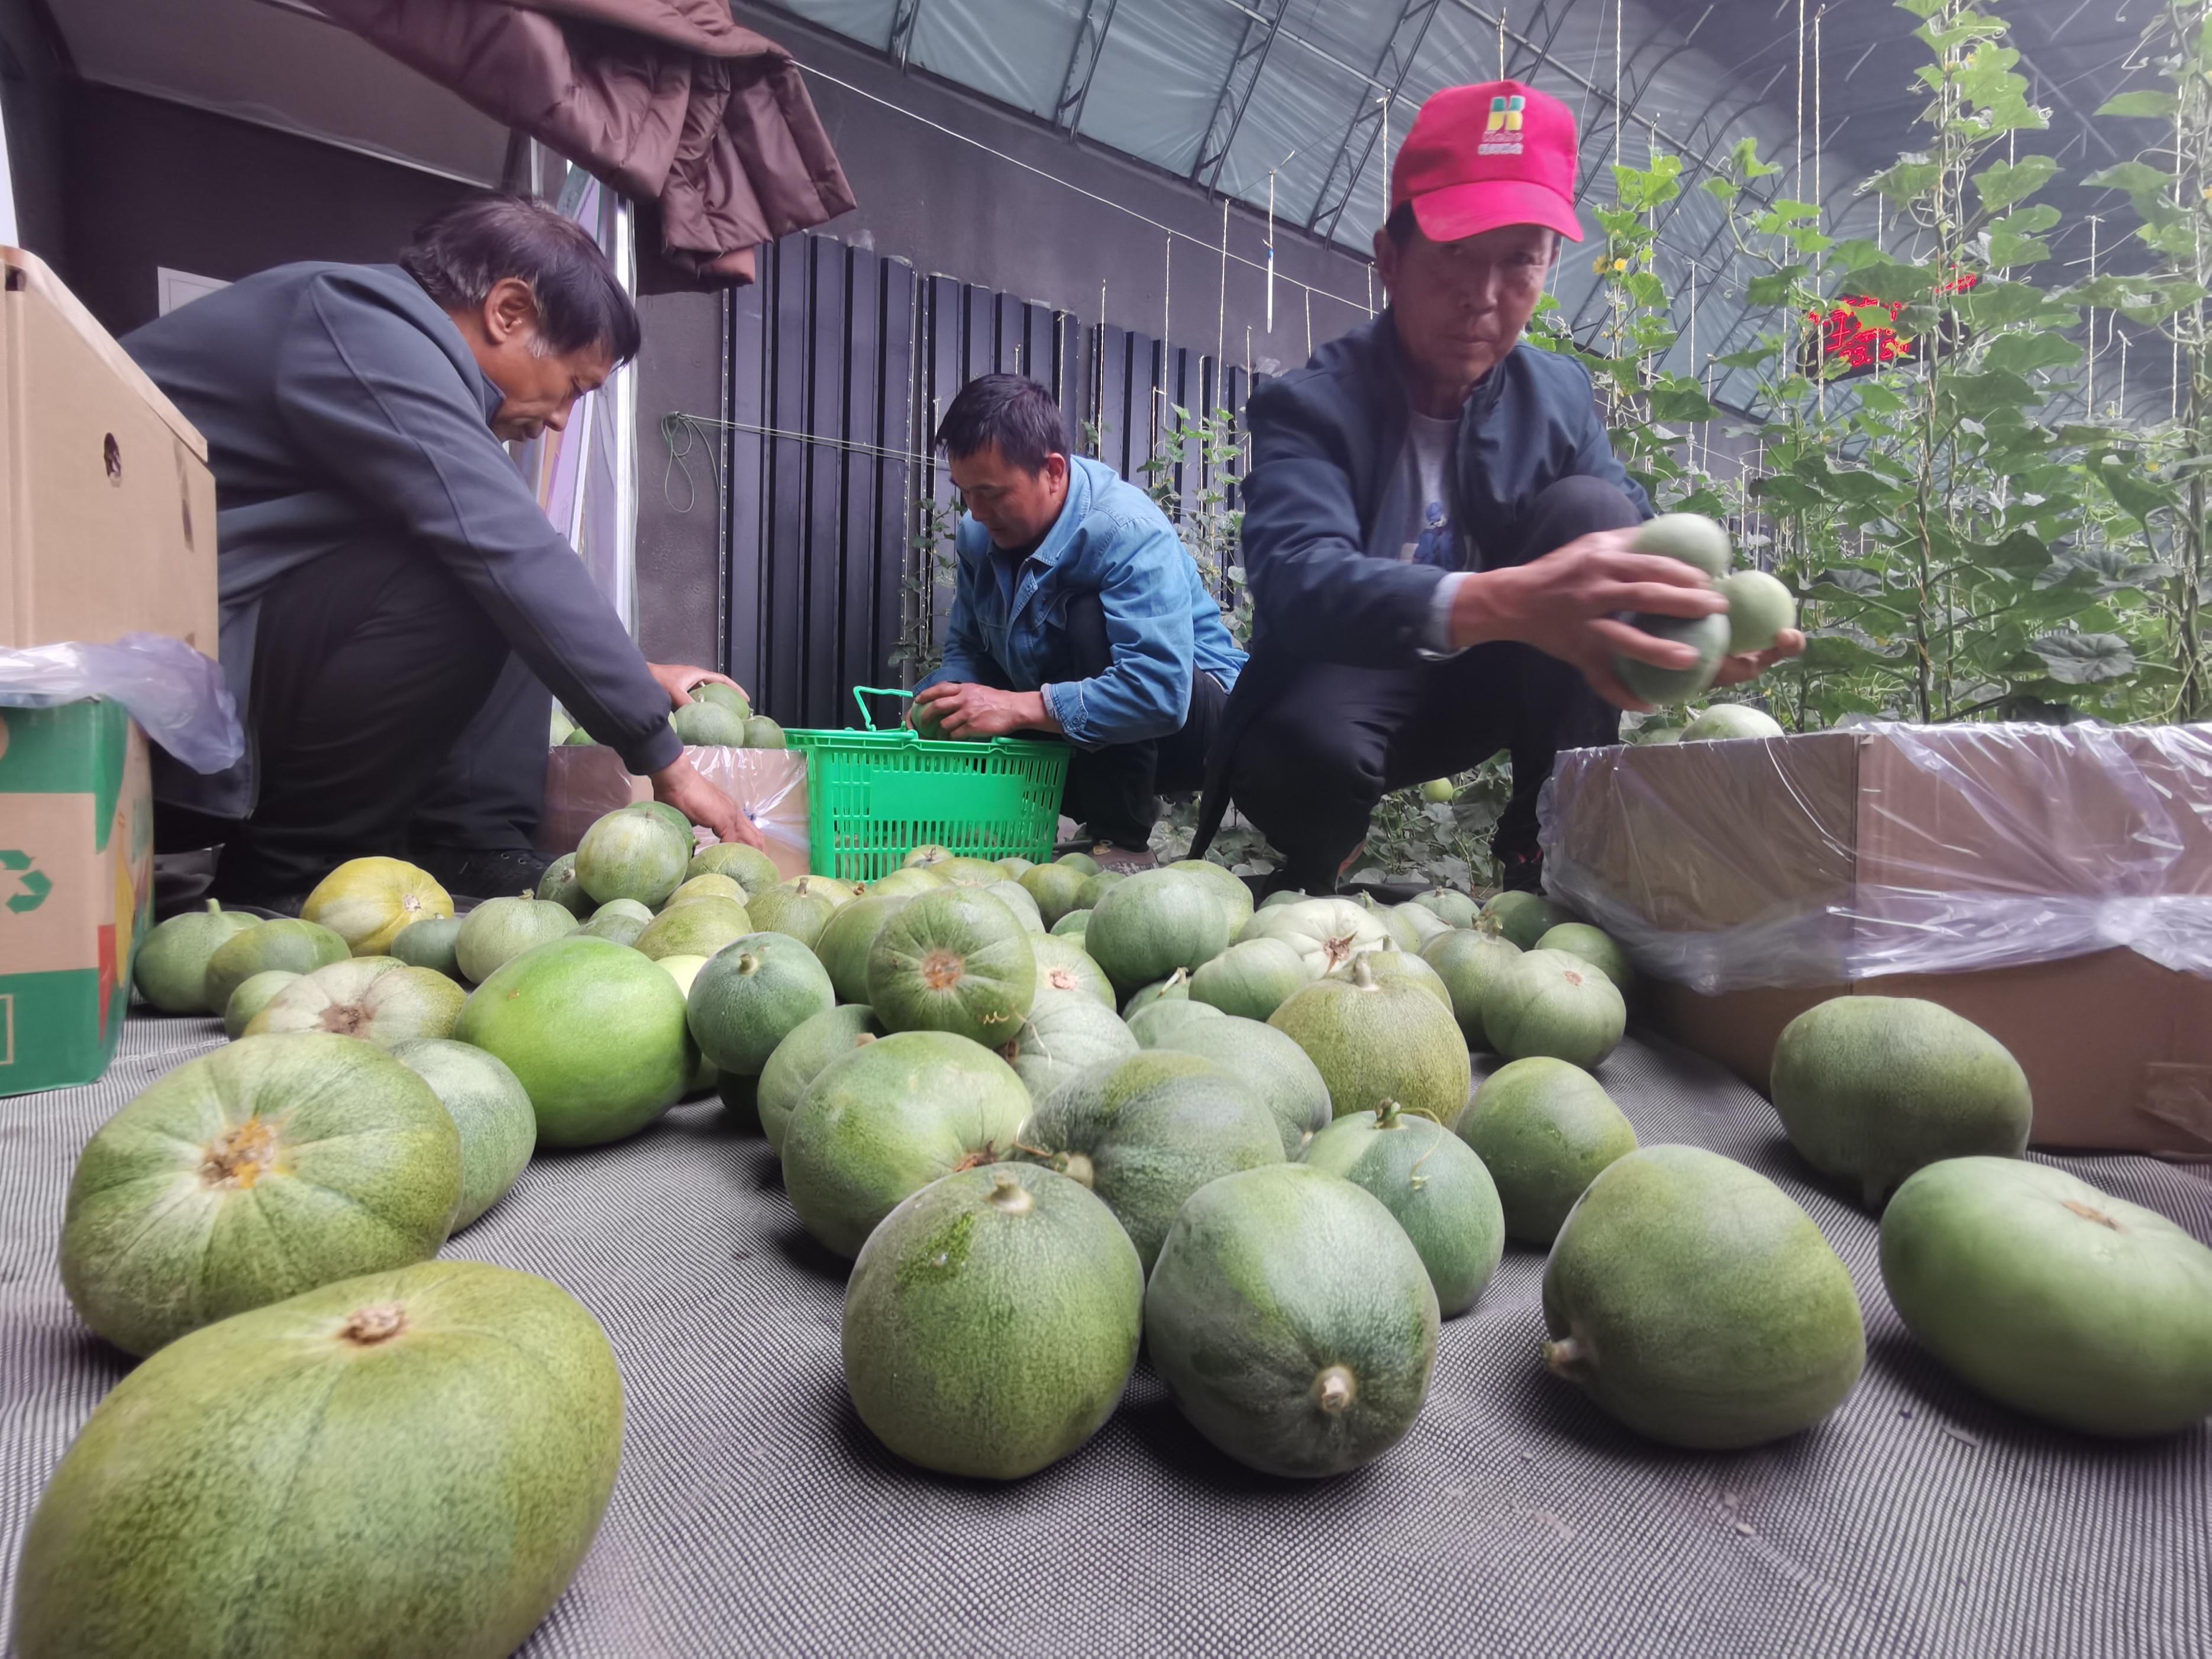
(490, 794)
(1113, 792)
(368, 664)
(1311, 766)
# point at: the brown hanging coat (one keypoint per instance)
(670, 101)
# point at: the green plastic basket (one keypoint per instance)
(872, 797)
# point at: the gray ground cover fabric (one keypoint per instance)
(755, 1515)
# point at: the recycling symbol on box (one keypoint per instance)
(31, 886)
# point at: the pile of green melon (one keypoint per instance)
(717, 716)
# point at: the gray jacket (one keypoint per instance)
(340, 403)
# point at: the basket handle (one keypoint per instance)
(875, 691)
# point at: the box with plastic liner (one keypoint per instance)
(586, 781)
(2053, 885)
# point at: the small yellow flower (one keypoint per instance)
(1598, 264)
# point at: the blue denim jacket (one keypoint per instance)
(1161, 622)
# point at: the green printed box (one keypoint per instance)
(76, 888)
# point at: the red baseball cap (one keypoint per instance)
(1479, 157)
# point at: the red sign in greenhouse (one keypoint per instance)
(1850, 345)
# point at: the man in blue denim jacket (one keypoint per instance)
(1076, 610)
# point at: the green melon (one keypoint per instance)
(1692, 538)
(579, 739)
(1053, 886)
(499, 930)
(378, 998)
(906, 881)
(256, 994)
(1870, 1089)
(748, 867)
(559, 728)
(1660, 687)
(839, 893)
(491, 1109)
(1065, 1034)
(559, 885)
(848, 938)
(1274, 1067)
(1292, 1320)
(706, 885)
(963, 871)
(1394, 966)
(1453, 909)
(955, 960)
(1545, 1129)
(619, 921)
(295, 946)
(1095, 885)
(727, 696)
(2051, 1295)
(802, 1056)
(925, 856)
(1440, 791)
(1523, 918)
(710, 725)
(992, 1321)
(632, 853)
(1062, 964)
(1554, 1003)
(762, 733)
(888, 1119)
(435, 945)
(752, 995)
(267, 1168)
(1759, 607)
(1326, 932)
(1395, 927)
(170, 969)
(703, 1076)
(368, 901)
(595, 1031)
(1438, 1190)
(1016, 897)
(1470, 962)
(1157, 920)
(1724, 721)
(1423, 923)
(1175, 987)
(1082, 861)
(698, 928)
(1251, 978)
(1074, 923)
(661, 811)
(1694, 1302)
(1016, 868)
(1146, 1131)
(1596, 947)
(1280, 897)
(1226, 885)
(1373, 1041)
(1154, 1026)
(409, 1463)
(797, 909)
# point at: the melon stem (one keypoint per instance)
(1571, 1358)
(1335, 1390)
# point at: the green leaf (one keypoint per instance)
(2029, 220)
(1892, 282)
(1720, 189)
(2138, 178)
(1879, 399)
(2141, 103)
(1993, 304)
(1913, 176)
(2085, 659)
(2025, 352)
(1773, 289)
(1864, 583)
(1838, 653)
(2020, 553)
(1977, 394)
(1685, 402)
(1921, 8)
(2008, 250)
(1745, 160)
(2002, 185)
(2135, 496)
(1749, 357)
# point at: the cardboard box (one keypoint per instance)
(2053, 885)
(76, 888)
(586, 781)
(107, 505)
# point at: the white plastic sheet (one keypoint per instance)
(175, 693)
(1891, 849)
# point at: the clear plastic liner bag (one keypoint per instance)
(1889, 849)
(584, 782)
(178, 694)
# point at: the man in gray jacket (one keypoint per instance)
(381, 553)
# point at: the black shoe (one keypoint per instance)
(479, 874)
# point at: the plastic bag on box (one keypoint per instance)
(175, 693)
(1889, 849)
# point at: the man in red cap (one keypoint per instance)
(1437, 532)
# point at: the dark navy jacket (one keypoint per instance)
(1327, 499)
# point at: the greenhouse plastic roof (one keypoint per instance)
(1223, 92)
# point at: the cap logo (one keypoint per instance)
(1501, 133)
